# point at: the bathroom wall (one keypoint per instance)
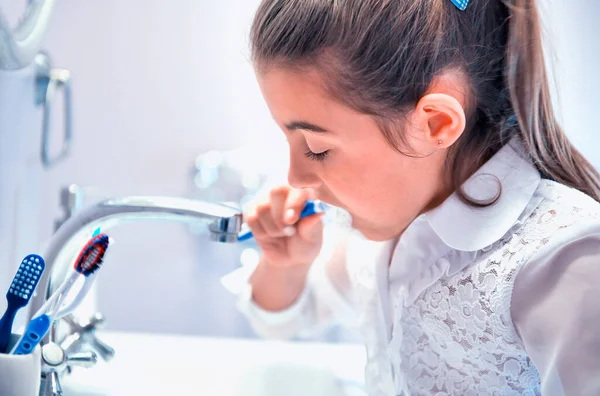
(155, 84)
(573, 48)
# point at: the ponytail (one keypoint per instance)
(527, 80)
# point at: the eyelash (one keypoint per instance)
(316, 156)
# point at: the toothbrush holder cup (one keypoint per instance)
(20, 374)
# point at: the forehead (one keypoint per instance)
(293, 94)
(300, 96)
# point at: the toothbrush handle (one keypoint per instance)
(34, 333)
(310, 208)
(67, 309)
(6, 324)
(58, 296)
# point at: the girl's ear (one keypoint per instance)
(441, 119)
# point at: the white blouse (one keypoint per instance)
(503, 300)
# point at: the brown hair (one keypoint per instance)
(379, 57)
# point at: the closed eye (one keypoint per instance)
(316, 156)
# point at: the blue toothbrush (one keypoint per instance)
(20, 291)
(310, 208)
(35, 331)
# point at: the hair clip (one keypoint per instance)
(460, 4)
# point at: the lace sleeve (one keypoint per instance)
(556, 310)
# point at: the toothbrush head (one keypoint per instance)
(92, 254)
(25, 281)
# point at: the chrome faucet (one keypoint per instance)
(224, 223)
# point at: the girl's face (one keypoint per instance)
(345, 158)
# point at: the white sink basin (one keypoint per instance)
(147, 364)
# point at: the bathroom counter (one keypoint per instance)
(151, 364)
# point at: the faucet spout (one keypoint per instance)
(224, 223)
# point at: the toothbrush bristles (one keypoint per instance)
(92, 255)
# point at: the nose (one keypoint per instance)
(301, 174)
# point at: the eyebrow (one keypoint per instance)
(307, 126)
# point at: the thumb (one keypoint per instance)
(310, 228)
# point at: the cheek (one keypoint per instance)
(373, 183)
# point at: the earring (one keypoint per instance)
(439, 142)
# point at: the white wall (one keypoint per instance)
(155, 84)
(20, 172)
(572, 31)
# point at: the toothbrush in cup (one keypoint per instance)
(310, 208)
(19, 293)
(87, 263)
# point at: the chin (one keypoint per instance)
(370, 232)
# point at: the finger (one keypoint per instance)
(252, 220)
(295, 202)
(310, 228)
(267, 222)
(278, 198)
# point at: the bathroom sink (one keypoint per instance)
(150, 364)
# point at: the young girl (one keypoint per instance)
(473, 263)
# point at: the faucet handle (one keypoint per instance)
(82, 359)
(55, 361)
(96, 320)
(84, 334)
(103, 349)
